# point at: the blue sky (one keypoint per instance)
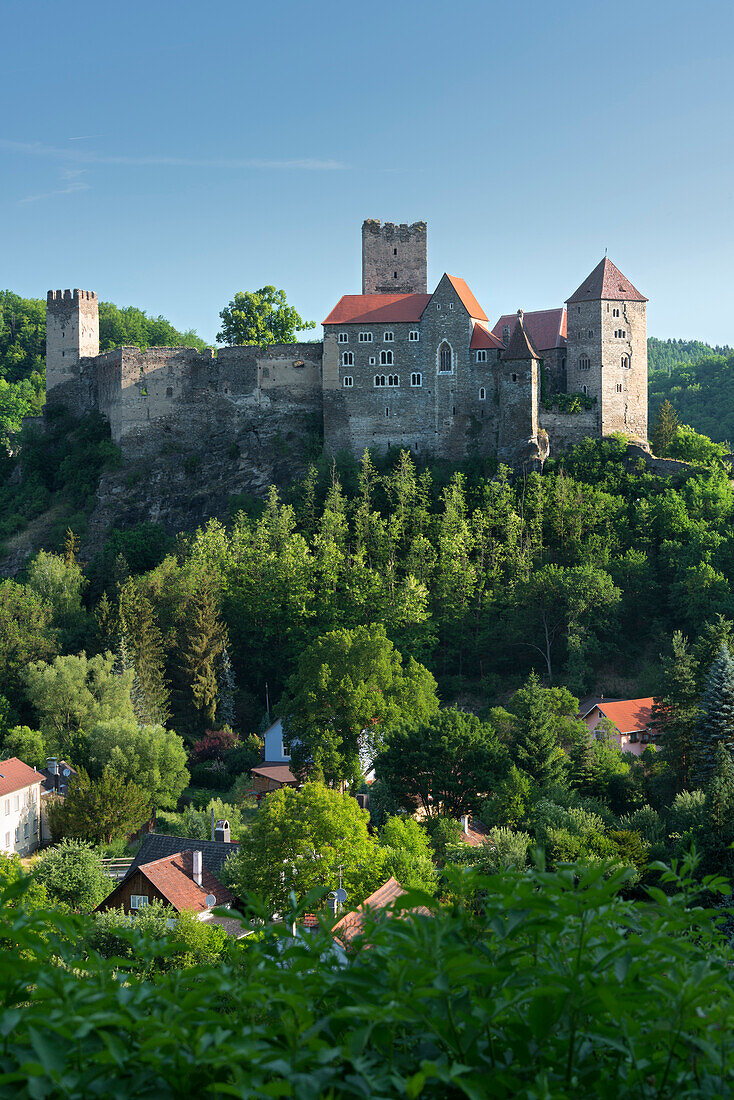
(169, 154)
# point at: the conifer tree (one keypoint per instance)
(71, 547)
(676, 708)
(225, 698)
(716, 719)
(664, 429)
(720, 796)
(145, 647)
(536, 747)
(581, 759)
(204, 637)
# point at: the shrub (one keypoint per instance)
(73, 875)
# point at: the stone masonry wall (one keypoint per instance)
(72, 331)
(565, 430)
(394, 258)
(624, 392)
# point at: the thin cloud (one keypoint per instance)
(71, 182)
(83, 156)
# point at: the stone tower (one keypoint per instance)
(518, 385)
(72, 331)
(607, 349)
(394, 258)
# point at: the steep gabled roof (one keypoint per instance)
(376, 308)
(545, 327)
(352, 924)
(469, 302)
(15, 775)
(606, 282)
(481, 337)
(157, 845)
(172, 876)
(519, 346)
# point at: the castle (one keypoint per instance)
(397, 366)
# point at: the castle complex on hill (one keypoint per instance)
(397, 367)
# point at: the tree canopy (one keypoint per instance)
(260, 317)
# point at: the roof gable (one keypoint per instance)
(481, 337)
(172, 877)
(467, 299)
(628, 715)
(519, 346)
(15, 775)
(376, 308)
(545, 327)
(606, 282)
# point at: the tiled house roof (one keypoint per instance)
(545, 327)
(214, 853)
(172, 876)
(352, 924)
(15, 775)
(481, 337)
(628, 715)
(375, 308)
(469, 302)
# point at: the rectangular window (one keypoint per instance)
(416, 379)
(16, 802)
(365, 337)
(7, 840)
(438, 305)
(482, 356)
(451, 305)
(414, 336)
(388, 337)
(372, 360)
(169, 391)
(387, 412)
(138, 901)
(343, 337)
(619, 387)
(26, 830)
(348, 381)
(17, 835)
(7, 806)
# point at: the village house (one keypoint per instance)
(274, 771)
(631, 720)
(352, 924)
(20, 807)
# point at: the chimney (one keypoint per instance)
(52, 765)
(221, 832)
(331, 903)
(465, 823)
(212, 823)
(196, 873)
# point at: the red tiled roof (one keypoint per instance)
(519, 346)
(476, 835)
(481, 337)
(606, 281)
(545, 327)
(281, 773)
(628, 715)
(471, 305)
(172, 877)
(14, 775)
(375, 308)
(352, 924)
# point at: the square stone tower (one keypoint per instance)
(72, 332)
(607, 349)
(394, 258)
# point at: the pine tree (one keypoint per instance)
(536, 747)
(676, 709)
(107, 624)
(716, 719)
(664, 429)
(581, 759)
(71, 547)
(720, 796)
(144, 642)
(204, 637)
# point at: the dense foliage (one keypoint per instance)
(700, 389)
(260, 317)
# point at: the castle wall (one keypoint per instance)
(518, 383)
(566, 430)
(394, 258)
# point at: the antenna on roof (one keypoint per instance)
(267, 702)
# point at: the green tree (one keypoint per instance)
(664, 428)
(59, 583)
(407, 854)
(675, 710)
(509, 802)
(100, 810)
(151, 756)
(446, 765)
(716, 719)
(72, 874)
(349, 690)
(25, 634)
(260, 317)
(74, 693)
(204, 638)
(144, 641)
(719, 809)
(198, 823)
(535, 744)
(27, 744)
(299, 840)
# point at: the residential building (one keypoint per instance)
(20, 807)
(631, 721)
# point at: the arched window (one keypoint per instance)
(625, 362)
(482, 393)
(584, 363)
(445, 359)
(585, 389)
(386, 358)
(348, 359)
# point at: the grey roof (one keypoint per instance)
(214, 853)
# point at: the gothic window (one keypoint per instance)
(438, 305)
(348, 359)
(380, 380)
(365, 337)
(388, 337)
(393, 379)
(445, 359)
(585, 389)
(584, 363)
(343, 337)
(625, 362)
(482, 394)
(482, 356)
(591, 333)
(416, 379)
(386, 358)
(348, 381)
(414, 336)
(451, 305)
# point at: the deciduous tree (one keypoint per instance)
(260, 317)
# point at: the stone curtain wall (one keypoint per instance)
(394, 250)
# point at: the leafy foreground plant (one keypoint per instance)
(560, 988)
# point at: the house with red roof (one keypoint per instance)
(20, 807)
(375, 906)
(631, 721)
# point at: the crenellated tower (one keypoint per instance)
(72, 332)
(394, 258)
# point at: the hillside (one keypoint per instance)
(700, 391)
